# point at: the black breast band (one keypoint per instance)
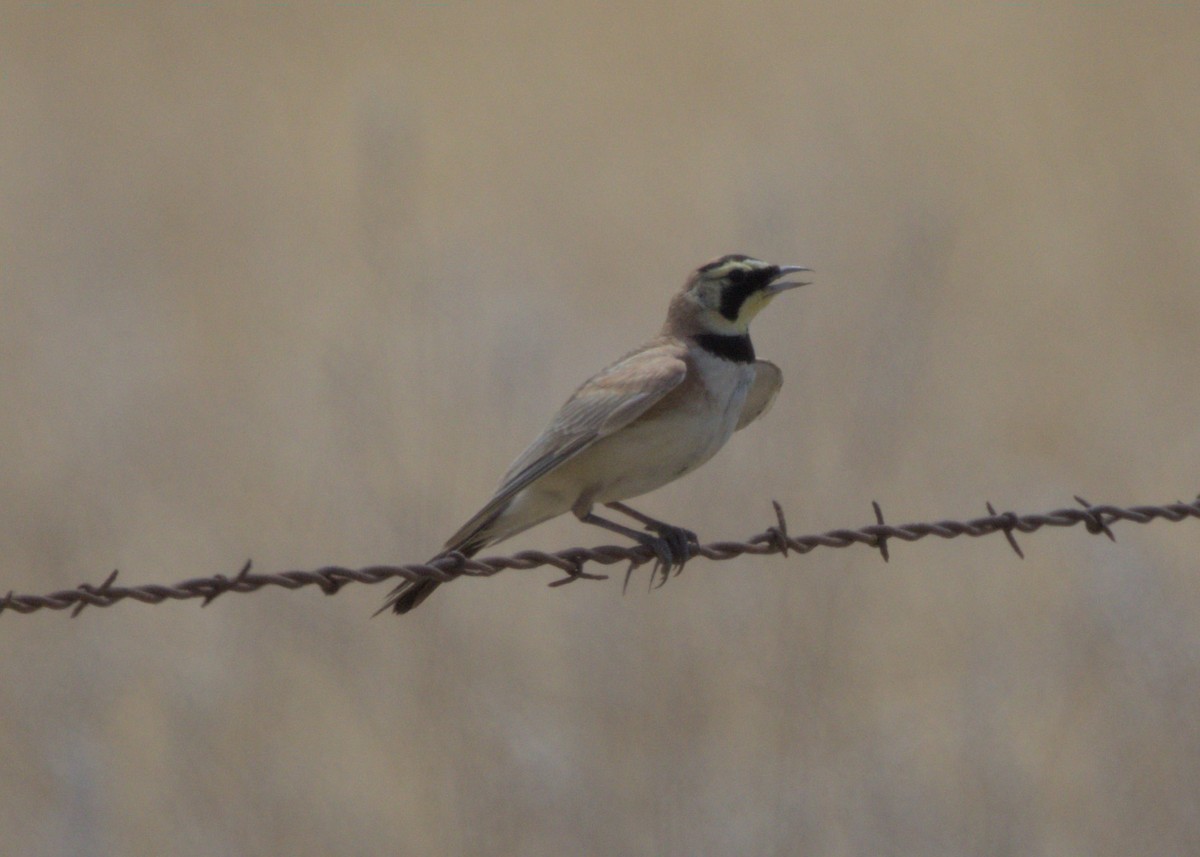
(735, 348)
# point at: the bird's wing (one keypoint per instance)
(605, 403)
(767, 381)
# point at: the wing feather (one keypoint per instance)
(767, 380)
(603, 404)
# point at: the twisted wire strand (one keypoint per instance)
(775, 539)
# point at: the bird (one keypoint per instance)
(653, 416)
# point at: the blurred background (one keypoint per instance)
(296, 283)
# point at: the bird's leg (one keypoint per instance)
(662, 548)
(660, 527)
(681, 540)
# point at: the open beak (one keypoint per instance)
(776, 287)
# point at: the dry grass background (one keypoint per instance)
(297, 282)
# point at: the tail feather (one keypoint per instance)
(468, 541)
(409, 594)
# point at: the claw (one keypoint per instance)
(663, 552)
(672, 548)
(628, 574)
(681, 542)
(664, 557)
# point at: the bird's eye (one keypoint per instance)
(737, 276)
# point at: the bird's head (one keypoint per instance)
(724, 295)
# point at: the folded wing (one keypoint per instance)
(605, 403)
(767, 381)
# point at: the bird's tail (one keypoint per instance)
(473, 537)
(409, 594)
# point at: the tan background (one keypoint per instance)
(296, 283)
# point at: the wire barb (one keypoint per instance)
(881, 540)
(1094, 519)
(1008, 522)
(100, 591)
(222, 584)
(778, 534)
(775, 540)
(572, 563)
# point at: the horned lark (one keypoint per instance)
(657, 413)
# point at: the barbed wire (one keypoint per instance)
(775, 539)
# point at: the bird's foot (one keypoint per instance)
(679, 541)
(665, 557)
(672, 548)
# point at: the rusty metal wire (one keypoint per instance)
(775, 539)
